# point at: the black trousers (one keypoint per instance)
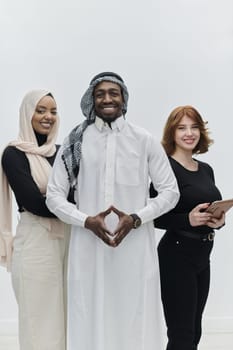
(185, 278)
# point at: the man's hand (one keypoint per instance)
(124, 226)
(97, 225)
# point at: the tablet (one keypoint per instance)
(218, 207)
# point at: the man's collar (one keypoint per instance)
(117, 124)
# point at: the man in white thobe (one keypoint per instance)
(113, 283)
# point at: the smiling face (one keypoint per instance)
(45, 115)
(187, 135)
(108, 101)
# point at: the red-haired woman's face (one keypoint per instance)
(187, 134)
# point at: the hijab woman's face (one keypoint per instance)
(45, 115)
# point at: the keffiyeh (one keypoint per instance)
(72, 147)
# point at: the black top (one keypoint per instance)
(195, 187)
(17, 169)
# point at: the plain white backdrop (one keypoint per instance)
(169, 52)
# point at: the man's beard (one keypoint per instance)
(109, 119)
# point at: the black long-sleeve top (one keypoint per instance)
(17, 169)
(195, 187)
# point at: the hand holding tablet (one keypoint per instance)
(218, 207)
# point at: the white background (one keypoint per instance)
(169, 53)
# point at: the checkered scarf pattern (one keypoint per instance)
(72, 147)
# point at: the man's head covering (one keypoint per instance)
(87, 101)
(72, 147)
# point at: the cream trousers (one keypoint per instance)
(39, 269)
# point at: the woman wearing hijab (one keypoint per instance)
(37, 254)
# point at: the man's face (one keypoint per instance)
(108, 101)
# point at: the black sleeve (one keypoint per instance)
(172, 219)
(16, 167)
(209, 169)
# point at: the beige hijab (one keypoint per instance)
(39, 166)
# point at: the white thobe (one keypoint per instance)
(114, 293)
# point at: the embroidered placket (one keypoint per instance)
(110, 167)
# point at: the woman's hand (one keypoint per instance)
(217, 222)
(198, 216)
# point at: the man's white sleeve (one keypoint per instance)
(164, 182)
(57, 193)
